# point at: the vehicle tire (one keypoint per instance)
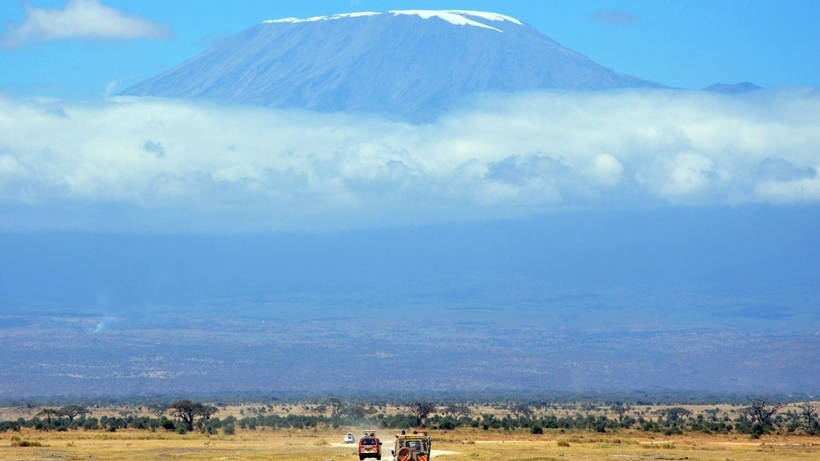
(361, 457)
(405, 454)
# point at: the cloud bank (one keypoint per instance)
(80, 19)
(172, 165)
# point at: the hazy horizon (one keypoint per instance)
(275, 212)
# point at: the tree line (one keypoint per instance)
(759, 418)
(186, 415)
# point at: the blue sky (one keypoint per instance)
(72, 159)
(685, 44)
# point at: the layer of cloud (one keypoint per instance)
(80, 19)
(172, 165)
(613, 17)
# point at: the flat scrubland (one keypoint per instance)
(321, 408)
(464, 443)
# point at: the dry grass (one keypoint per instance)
(302, 445)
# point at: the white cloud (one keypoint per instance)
(80, 19)
(800, 190)
(684, 175)
(161, 164)
(605, 169)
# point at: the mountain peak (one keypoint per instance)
(409, 64)
(455, 17)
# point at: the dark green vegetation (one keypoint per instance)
(186, 415)
(758, 418)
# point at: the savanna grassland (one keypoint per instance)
(467, 444)
(488, 431)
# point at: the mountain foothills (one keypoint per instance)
(410, 63)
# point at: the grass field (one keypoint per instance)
(303, 445)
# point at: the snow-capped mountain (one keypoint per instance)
(409, 63)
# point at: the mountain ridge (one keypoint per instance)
(412, 64)
(732, 88)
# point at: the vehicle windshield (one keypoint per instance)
(414, 444)
(368, 441)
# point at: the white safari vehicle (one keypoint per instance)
(349, 438)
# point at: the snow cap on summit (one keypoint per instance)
(455, 17)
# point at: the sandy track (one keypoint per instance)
(386, 451)
(434, 453)
(501, 441)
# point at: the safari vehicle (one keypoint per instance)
(370, 446)
(412, 447)
(349, 438)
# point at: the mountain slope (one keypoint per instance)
(412, 63)
(732, 88)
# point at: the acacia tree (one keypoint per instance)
(206, 411)
(522, 410)
(72, 411)
(157, 410)
(675, 414)
(336, 406)
(808, 412)
(619, 410)
(762, 411)
(422, 410)
(320, 409)
(49, 413)
(187, 411)
(356, 411)
(457, 410)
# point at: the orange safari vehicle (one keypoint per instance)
(370, 446)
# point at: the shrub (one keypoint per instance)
(447, 424)
(536, 429)
(90, 424)
(18, 442)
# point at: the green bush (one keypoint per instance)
(447, 424)
(18, 442)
